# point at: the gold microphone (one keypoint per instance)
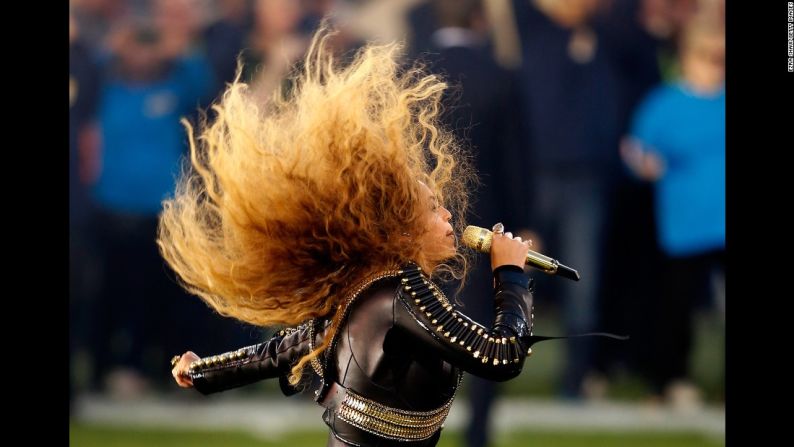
(480, 239)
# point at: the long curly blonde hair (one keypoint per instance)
(286, 205)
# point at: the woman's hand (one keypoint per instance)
(508, 250)
(180, 371)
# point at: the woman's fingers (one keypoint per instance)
(183, 379)
(181, 370)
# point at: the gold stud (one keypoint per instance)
(476, 354)
(529, 352)
(495, 362)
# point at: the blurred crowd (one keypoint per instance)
(597, 127)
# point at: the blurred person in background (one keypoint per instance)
(642, 41)
(330, 210)
(83, 268)
(636, 37)
(571, 112)
(274, 44)
(483, 112)
(96, 19)
(147, 85)
(180, 24)
(279, 39)
(224, 38)
(678, 143)
(423, 21)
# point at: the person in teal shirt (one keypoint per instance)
(677, 141)
(145, 91)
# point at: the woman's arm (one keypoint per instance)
(496, 353)
(269, 359)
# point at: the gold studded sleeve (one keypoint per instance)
(270, 359)
(424, 315)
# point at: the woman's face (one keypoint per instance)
(438, 242)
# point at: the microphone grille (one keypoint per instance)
(477, 238)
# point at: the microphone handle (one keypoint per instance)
(551, 266)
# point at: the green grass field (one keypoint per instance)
(81, 435)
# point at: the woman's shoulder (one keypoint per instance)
(380, 290)
(375, 299)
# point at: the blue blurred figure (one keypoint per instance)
(678, 142)
(146, 88)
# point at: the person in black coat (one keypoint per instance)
(484, 111)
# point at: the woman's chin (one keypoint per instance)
(451, 251)
(443, 257)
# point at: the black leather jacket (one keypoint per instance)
(400, 345)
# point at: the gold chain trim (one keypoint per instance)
(482, 343)
(224, 360)
(393, 423)
(316, 365)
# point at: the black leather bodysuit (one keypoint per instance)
(394, 366)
